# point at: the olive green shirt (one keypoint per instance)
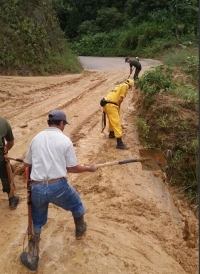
(135, 63)
(5, 130)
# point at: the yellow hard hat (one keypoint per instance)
(130, 82)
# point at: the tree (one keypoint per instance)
(109, 19)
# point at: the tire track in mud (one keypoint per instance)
(79, 132)
(33, 117)
(38, 96)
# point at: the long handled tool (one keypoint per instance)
(154, 160)
(16, 159)
(131, 73)
(30, 221)
(103, 122)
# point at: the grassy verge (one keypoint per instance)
(168, 117)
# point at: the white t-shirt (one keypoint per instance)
(50, 152)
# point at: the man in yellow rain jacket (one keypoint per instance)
(114, 99)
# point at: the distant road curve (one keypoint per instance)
(112, 63)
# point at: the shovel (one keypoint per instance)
(154, 159)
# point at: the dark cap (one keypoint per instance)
(57, 115)
(126, 59)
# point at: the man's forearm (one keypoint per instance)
(80, 169)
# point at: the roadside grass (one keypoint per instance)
(168, 117)
(186, 58)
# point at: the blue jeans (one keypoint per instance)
(61, 194)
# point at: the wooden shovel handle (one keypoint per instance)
(16, 159)
(30, 221)
(121, 162)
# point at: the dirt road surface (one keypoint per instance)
(134, 224)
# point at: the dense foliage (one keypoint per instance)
(135, 27)
(31, 39)
(36, 36)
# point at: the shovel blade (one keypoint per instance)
(150, 165)
(157, 157)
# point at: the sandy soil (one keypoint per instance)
(134, 224)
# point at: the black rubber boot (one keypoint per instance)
(13, 202)
(81, 227)
(111, 135)
(30, 259)
(120, 144)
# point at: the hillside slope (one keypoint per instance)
(31, 40)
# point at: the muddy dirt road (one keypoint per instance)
(135, 226)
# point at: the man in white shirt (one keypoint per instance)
(51, 155)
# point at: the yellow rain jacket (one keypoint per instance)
(112, 110)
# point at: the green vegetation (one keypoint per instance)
(45, 37)
(168, 119)
(135, 28)
(157, 80)
(186, 58)
(31, 40)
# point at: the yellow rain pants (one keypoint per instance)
(112, 112)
